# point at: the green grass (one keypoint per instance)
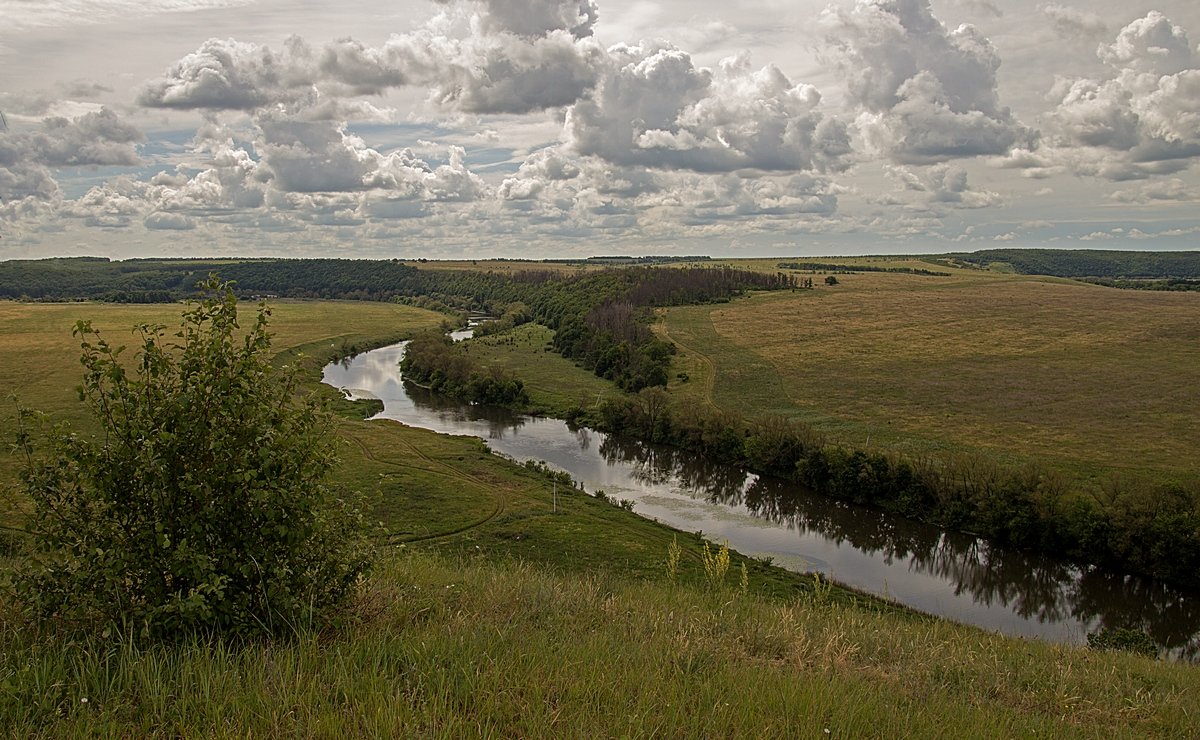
(554, 383)
(470, 646)
(490, 614)
(39, 359)
(1089, 379)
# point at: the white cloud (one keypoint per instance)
(1164, 190)
(165, 221)
(1074, 24)
(655, 107)
(927, 93)
(225, 74)
(533, 18)
(21, 16)
(27, 156)
(943, 185)
(1151, 44)
(1142, 121)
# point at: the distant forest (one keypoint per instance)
(1085, 263)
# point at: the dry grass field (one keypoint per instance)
(1090, 378)
(39, 359)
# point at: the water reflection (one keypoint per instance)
(1034, 587)
(948, 574)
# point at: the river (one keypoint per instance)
(947, 574)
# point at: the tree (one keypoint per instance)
(202, 506)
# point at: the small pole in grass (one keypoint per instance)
(555, 495)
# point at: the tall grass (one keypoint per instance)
(444, 647)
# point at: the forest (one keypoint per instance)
(1084, 263)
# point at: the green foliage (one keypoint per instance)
(837, 267)
(433, 359)
(1123, 638)
(202, 507)
(1153, 531)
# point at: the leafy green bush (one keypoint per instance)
(1123, 638)
(202, 506)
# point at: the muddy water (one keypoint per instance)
(951, 575)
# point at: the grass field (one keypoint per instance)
(554, 383)
(485, 646)
(492, 615)
(1088, 378)
(39, 359)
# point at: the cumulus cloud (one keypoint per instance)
(116, 203)
(513, 57)
(27, 157)
(225, 74)
(729, 197)
(1144, 119)
(1166, 190)
(944, 185)
(1151, 44)
(654, 107)
(164, 221)
(927, 93)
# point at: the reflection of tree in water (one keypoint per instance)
(658, 465)
(583, 437)
(1034, 587)
(499, 420)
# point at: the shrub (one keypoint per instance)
(201, 507)
(1128, 639)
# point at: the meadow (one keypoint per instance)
(492, 613)
(1093, 380)
(40, 359)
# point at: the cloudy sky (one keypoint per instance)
(534, 128)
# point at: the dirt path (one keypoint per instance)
(708, 382)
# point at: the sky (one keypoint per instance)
(562, 128)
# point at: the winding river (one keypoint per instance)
(951, 575)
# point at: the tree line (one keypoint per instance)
(1081, 263)
(835, 267)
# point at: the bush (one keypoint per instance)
(1128, 639)
(201, 507)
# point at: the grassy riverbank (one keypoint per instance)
(491, 613)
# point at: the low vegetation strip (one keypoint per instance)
(836, 267)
